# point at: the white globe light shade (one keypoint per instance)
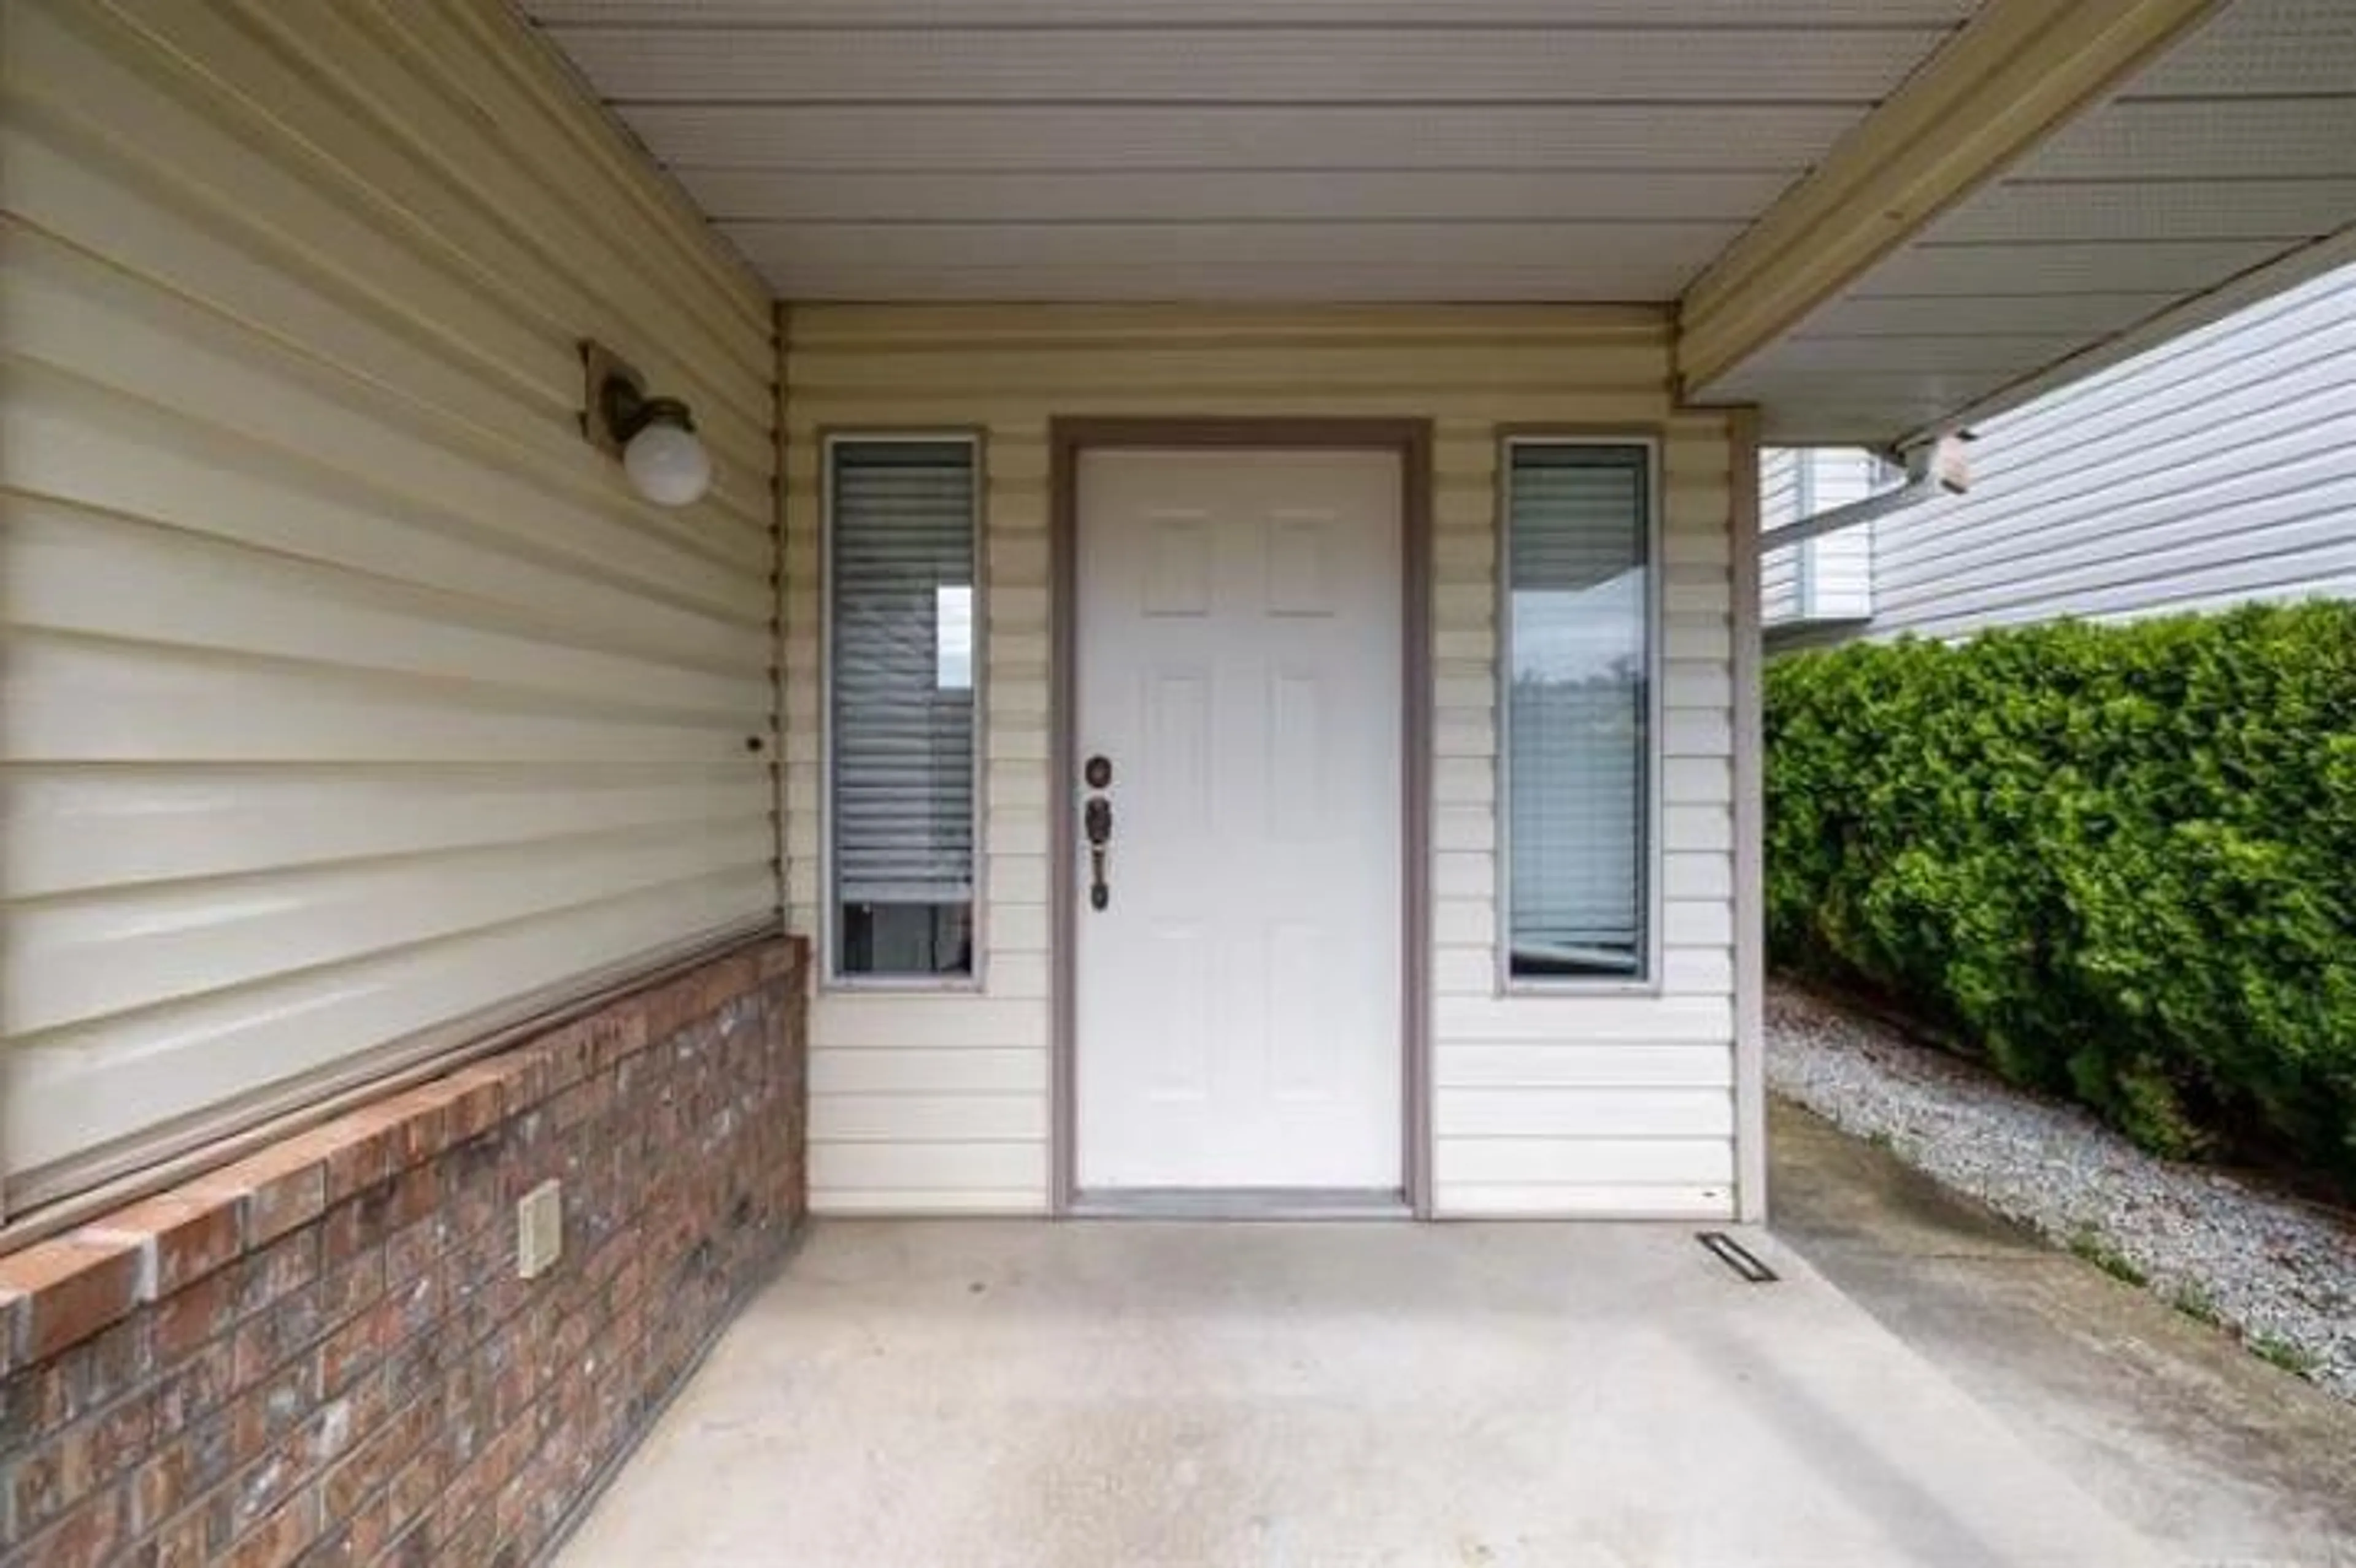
(668, 465)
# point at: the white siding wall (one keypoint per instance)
(352, 703)
(1609, 1104)
(2217, 469)
(1829, 578)
(2220, 468)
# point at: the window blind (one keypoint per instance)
(1578, 711)
(903, 547)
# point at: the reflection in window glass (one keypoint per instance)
(901, 574)
(1577, 719)
(953, 638)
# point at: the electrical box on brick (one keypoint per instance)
(540, 1230)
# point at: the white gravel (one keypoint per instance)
(2276, 1270)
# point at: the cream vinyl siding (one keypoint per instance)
(1617, 1104)
(353, 704)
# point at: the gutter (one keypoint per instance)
(1940, 468)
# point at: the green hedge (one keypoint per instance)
(2120, 858)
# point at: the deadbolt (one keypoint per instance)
(1098, 773)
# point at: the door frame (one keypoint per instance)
(1410, 441)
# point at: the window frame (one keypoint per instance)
(831, 974)
(1648, 979)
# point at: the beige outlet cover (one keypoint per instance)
(539, 1228)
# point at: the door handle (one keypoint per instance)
(1098, 818)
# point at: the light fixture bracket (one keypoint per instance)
(607, 381)
(614, 402)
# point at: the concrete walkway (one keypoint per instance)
(1101, 1394)
(2163, 1419)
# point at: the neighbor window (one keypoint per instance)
(1577, 719)
(901, 525)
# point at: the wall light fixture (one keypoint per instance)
(654, 437)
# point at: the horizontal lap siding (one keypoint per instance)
(940, 1102)
(2218, 468)
(353, 705)
(1600, 1105)
(1829, 578)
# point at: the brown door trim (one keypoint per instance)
(1410, 439)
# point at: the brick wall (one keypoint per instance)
(324, 1353)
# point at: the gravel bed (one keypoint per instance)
(2279, 1272)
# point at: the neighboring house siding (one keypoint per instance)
(1827, 578)
(1779, 503)
(2218, 469)
(1600, 1105)
(354, 705)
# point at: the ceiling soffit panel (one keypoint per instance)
(1597, 150)
(2220, 176)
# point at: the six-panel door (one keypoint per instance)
(1238, 668)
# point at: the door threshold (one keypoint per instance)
(1241, 1204)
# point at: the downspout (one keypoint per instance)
(1939, 469)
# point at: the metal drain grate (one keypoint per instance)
(1736, 1256)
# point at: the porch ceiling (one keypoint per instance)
(1526, 150)
(2226, 171)
(1241, 149)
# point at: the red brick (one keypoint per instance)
(185, 1236)
(619, 1032)
(416, 1194)
(423, 1130)
(572, 1050)
(372, 1463)
(477, 1101)
(346, 1290)
(363, 1223)
(266, 1413)
(121, 1437)
(415, 1288)
(269, 1340)
(181, 1544)
(774, 960)
(93, 1533)
(195, 1315)
(355, 1348)
(672, 1007)
(110, 1362)
(415, 1548)
(369, 1378)
(278, 1271)
(352, 1539)
(467, 1540)
(192, 1389)
(12, 1329)
(279, 1539)
(360, 1150)
(179, 1473)
(411, 1495)
(284, 1187)
(53, 1477)
(73, 1289)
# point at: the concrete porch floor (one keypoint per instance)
(1107, 1393)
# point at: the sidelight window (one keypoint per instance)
(902, 524)
(1579, 671)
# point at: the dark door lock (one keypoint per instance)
(1098, 820)
(1098, 773)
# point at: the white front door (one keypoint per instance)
(1238, 1009)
